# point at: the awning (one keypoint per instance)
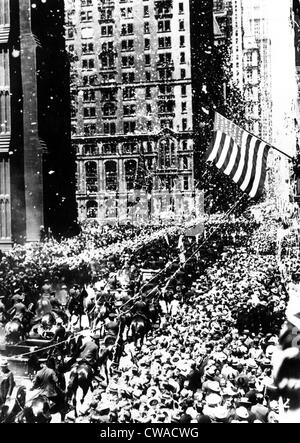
(4, 143)
(4, 34)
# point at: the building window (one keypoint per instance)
(127, 61)
(91, 177)
(90, 130)
(146, 11)
(106, 30)
(90, 150)
(146, 28)
(92, 209)
(184, 124)
(148, 147)
(129, 110)
(147, 44)
(147, 59)
(128, 93)
(89, 112)
(89, 95)
(149, 125)
(149, 108)
(164, 42)
(87, 47)
(167, 154)
(88, 63)
(186, 184)
(165, 74)
(109, 110)
(183, 90)
(185, 163)
(106, 14)
(126, 13)
(111, 179)
(127, 29)
(164, 26)
(129, 148)
(148, 92)
(183, 107)
(109, 148)
(183, 74)
(107, 47)
(166, 123)
(127, 45)
(109, 128)
(181, 8)
(165, 58)
(86, 16)
(181, 25)
(128, 77)
(129, 127)
(166, 90)
(148, 76)
(182, 41)
(130, 174)
(184, 145)
(182, 57)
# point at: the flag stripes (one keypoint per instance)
(4, 143)
(240, 155)
(4, 34)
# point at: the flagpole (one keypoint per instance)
(271, 146)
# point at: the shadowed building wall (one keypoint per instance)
(37, 171)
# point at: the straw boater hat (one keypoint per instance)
(3, 362)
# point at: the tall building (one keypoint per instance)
(264, 68)
(132, 119)
(36, 172)
(222, 17)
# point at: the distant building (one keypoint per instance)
(132, 116)
(36, 164)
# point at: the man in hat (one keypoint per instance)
(89, 352)
(112, 325)
(7, 381)
(47, 382)
(62, 296)
(19, 310)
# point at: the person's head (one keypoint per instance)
(4, 365)
(50, 363)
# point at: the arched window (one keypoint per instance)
(130, 173)
(167, 154)
(92, 209)
(111, 178)
(91, 177)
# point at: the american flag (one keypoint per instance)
(240, 155)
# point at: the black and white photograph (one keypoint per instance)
(149, 214)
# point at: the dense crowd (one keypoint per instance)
(207, 356)
(210, 358)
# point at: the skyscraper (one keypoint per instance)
(132, 119)
(36, 172)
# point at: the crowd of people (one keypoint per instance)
(207, 356)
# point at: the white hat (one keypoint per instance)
(221, 412)
(213, 400)
(242, 413)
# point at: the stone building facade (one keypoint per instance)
(132, 116)
(37, 176)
